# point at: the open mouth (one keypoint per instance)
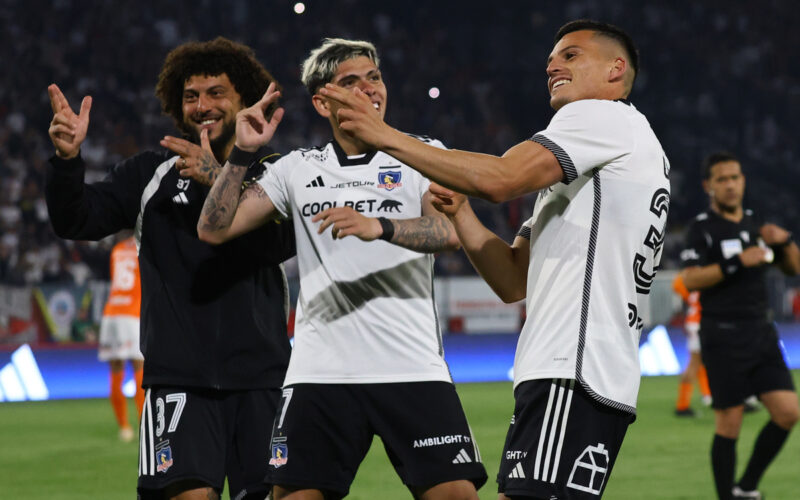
(376, 105)
(560, 83)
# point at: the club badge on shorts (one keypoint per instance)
(280, 454)
(164, 457)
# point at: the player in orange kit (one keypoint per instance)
(694, 369)
(119, 329)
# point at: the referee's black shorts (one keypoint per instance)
(742, 358)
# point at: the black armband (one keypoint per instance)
(388, 229)
(731, 266)
(242, 158)
(786, 243)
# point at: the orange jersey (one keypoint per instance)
(692, 300)
(125, 297)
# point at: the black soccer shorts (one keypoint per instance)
(742, 359)
(205, 435)
(561, 443)
(323, 431)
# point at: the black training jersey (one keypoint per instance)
(712, 239)
(212, 316)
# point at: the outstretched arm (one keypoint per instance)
(504, 267)
(525, 168)
(228, 211)
(430, 233)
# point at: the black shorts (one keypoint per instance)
(205, 435)
(742, 359)
(323, 431)
(561, 443)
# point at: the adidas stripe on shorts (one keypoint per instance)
(561, 443)
(205, 435)
(323, 431)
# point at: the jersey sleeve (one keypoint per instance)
(275, 183)
(586, 134)
(696, 251)
(83, 211)
(525, 229)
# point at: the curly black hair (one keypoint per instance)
(212, 58)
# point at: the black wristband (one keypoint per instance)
(241, 157)
(786, 243)
(731, 265)
(388, 229)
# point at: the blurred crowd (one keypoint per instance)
(715, 75)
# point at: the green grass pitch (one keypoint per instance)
(61, 450)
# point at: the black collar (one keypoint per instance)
(344, 161)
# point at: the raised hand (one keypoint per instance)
(252, 128)
(445, 200)
(357, 116)
(345, 221)
(197, 162)
(67, 130)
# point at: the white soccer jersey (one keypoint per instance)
(366, 310)
(596, 241)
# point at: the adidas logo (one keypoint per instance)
(21, 379)
(462, 457)
(180, 199)
(516, 472)
(316, 183)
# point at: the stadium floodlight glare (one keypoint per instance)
(433, 92)
(299, 8)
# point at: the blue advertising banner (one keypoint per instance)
(72, 372)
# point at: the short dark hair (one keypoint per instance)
(714, 158)
(607, 30)
(211, 58)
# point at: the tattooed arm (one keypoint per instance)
(430, 233)
(227, 213)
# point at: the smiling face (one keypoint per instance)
(584, 65)
(356, 73)
(211, 102)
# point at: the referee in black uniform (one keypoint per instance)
(726, 257)
(213, 317)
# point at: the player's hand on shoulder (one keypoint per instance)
(253, 129)
(753, 256)
(773, 234)
(67, 129)
(345, 221)
(196, 162)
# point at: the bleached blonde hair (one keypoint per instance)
(321, 65)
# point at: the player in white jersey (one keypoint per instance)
(584, 262)
(368, 355)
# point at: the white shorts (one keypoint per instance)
(692, 337)
(119, 338)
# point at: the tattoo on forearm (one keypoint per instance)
(209, 168)
(425, 234)
(223, 199)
